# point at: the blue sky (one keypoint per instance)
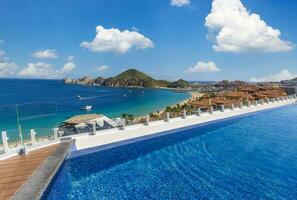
(168, 39)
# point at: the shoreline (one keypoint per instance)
(192, 95)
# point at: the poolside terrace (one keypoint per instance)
(15, 171)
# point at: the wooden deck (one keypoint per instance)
(16, 170)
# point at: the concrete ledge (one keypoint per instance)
(110, 136)
(38, 182)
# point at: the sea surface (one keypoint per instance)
(249, 157)
(44, 104)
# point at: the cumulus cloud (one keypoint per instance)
(47, 53)
(117, 41)
(282, 75)
(45, 70)
(68, 67)
(7, 68)
(39, 69)
(203, 67)
(71, 58)
(234, 29)
(180, 3)
(102, 68)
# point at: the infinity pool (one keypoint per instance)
(249, 157)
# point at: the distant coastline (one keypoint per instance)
(130, 78)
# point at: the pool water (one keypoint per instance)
(249, 157)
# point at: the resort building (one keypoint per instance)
(243, 94)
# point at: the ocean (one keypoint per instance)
(44, 104)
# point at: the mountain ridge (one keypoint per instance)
(129, 78)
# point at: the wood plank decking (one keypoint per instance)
(16, 170)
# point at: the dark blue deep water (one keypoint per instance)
(251, 157)
(44, 104)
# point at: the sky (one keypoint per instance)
(205, 40)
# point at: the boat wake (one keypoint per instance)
(91, 97)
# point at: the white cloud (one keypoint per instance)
(7, 68)
(45, 70)
(102, 68)
(234, 29)
(71, 58)
(180, 3)
(47, 53)
(117, 41)
(203, 67)
(282, 75)
(68, 67)
(38, 69)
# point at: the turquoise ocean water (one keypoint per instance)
(44, 104)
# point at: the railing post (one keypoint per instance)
(32, 134)
(147, 120)
(123, 124)
(94, 128)
(222, 108)
(56, 133)
(5, 141)
(184, 114)
(167, 117)
(198, 112)
(232, 106)
(211, 110)
(255, 103)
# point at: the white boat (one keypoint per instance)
(87, 108)
(79, 97)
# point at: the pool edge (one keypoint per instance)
(38, 182)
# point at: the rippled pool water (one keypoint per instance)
(250, 157)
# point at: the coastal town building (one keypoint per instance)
(245, 94)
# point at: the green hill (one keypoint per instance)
(179, 84)
(129, 78)
(132, 78)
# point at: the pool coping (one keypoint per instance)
(82, 152)
(87, 143)
(41, 178)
